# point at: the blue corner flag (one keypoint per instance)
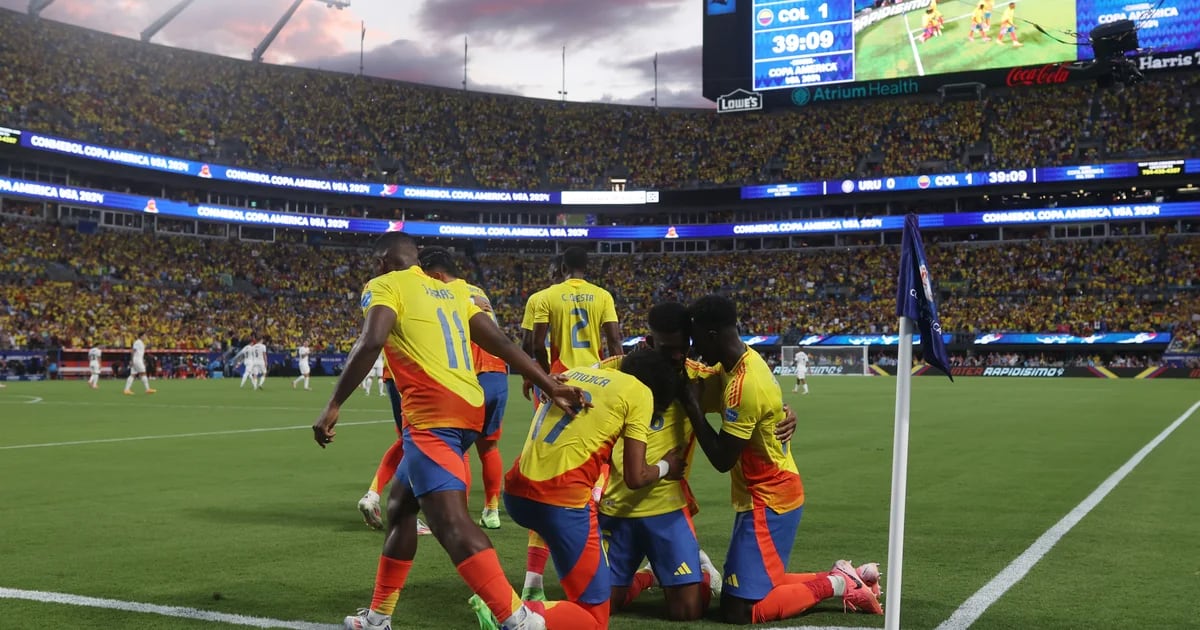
(914, 297)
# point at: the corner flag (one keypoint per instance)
(914, 297)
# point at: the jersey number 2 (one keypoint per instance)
(448, 337)
(580, 325)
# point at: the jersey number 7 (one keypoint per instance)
(559, 426)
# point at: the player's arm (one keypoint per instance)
(378, 324)
(540, 330)
(488, 336)
(639, 474)
(612, 336)
(722, 449)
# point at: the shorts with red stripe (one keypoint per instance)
(573, 537)
(758, 551)
(433, 459)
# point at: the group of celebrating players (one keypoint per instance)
(601, 481)
(981, 23)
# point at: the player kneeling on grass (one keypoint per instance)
(655, 522)
(549, 489)
(768, 496)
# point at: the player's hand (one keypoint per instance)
(677, 465)
(786, 427)
(483, 303)
(527, 389)
(690, 393)
(323, 428)
(569, 399)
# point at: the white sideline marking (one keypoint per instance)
(180, 435)
(972, 609)
(137, 405)
(913, 42)
(169, 611)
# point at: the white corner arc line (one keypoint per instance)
(138, 438)
(168, 611)
(33, 400)
(972, 609)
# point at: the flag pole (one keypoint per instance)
(895, 559)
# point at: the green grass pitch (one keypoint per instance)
(256, 512)
(891, 48)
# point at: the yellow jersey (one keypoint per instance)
(765, 473)
(670, 430)
(428, 350)
(1009, 17)
(484, 360)
(977, 16)
(575, 310)
(531, 305)
(564, 453)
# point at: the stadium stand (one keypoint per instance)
(91, 86)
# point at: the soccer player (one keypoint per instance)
(656, 522)
(376, 372)
(531, 306)
(574, 313)
(137, 367)
(492, 373)
(988, 5)
(302, 354)
(426, 328)
(768, 495)
(1008, 26)
(94, 367)
(244, 355)
(549, 488)
(259, 353)
(801, 361)
(978, 24)
(930, 25)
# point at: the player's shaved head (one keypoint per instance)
(395, 251)
(670, 317)
(655, 372)
(438, 259)
(713, 312)
(575, 259)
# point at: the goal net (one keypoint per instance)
(827, 360)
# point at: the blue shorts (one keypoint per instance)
(573, 537)
(495, 399)
(758, 551)
(433, 460)
(394, 394)
(667, 540)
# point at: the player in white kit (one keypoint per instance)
(94, 367)
(302, 360)
(801, 361)
(243, 356)
(137, 367)
(259, 353)
(376, 373)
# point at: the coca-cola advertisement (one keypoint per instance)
(1049, 74)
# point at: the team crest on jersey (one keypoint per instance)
(731, 415)
(366, 299)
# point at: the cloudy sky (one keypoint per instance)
(514, 45)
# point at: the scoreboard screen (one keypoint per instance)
(765, 45)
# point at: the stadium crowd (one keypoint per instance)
(67, 289)
(85, 85)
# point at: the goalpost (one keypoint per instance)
(828, 360)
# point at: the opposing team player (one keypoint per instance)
(259, 353)
(800, 359)
(375, 373)
(549, 488)
(94, 355)
(656, 522)
(244, 356)
(768, 495)
(137, 367)
(979, 24)
(493, 378)
(426, 327)
(1008, 26)
(302, 354)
